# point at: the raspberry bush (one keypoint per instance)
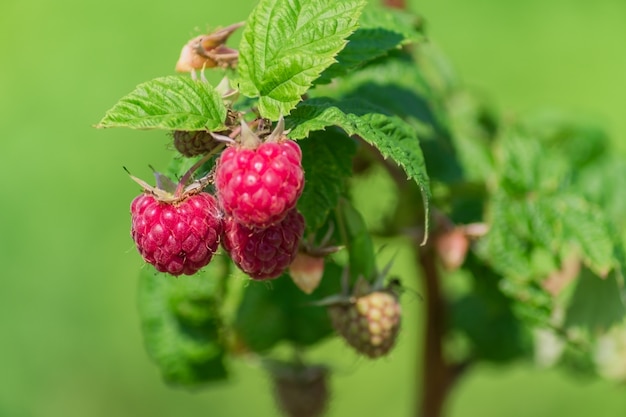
(338, 129)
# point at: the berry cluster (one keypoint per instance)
(258, 183)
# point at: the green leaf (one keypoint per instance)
(276, 311)
(506, 250)
(597, 303)
(586, 226)
(381, 30)
(364, 45)
(181, 324)
(404, 23)
(485, 316)
(287, 44)
(327, 161)
(358, 241)
(171, 103)
(393, 137)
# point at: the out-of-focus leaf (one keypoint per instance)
(327, 162)
(277, 311)
(485, 316)
(181, 324)
(597, 303)
(381, 30)
(358, 242)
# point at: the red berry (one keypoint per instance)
(257, 187)
(179, 237)
(264, 253)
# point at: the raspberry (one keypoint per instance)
(301, 391)
(176, 237)
(264, 253)
(194, 143)
(452, 247)
(258, 186)
(370, 324)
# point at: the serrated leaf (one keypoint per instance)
(380, 31)
(287, 44)
(586, 226)
(170, 103)
(597, 303)
(327, 161)
(278, 311)
(182, 326)
(393, 137)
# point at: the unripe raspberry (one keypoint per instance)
(370, 324)
(452, 247)
(259, 186)
(306, 271)
(194, 143)
(264, 253)
(176, 237)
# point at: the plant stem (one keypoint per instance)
(438, 376)
(435, 372)
(187, 176)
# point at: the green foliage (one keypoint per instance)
(597, 304)
(358, 88)
(393, 137)
(171, 103)
(287, 44)
(487, 318)
(536, 211)
(277, 311)
(380, 32)
(182, 326)
(327, 161)
(358, 241)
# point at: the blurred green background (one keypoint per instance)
(70, 342)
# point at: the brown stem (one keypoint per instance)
(435, 371)
(398, 4)
(438, 375)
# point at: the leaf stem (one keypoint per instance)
(185, 178)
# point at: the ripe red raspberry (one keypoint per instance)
(258, 186)
(264, 253)
(177, 237)
(370, 324)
